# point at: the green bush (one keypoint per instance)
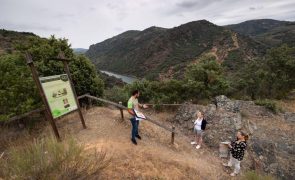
(49, 159)
(269, 77)
(117, 94)
(252, 175)
(269, 104)
(18, 92)
(206, 77)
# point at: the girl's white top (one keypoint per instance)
(198, 123)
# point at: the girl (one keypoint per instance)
(199, 128)
(237, 150)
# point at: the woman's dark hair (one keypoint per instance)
(135, 92)
(246, 136)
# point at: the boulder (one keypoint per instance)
(289, 116)
(222, 102)
(269, 149)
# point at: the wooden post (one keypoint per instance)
(89, 103)
(66, 67)
(172, 135)
(121, 110)
(48, 114)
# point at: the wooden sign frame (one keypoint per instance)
(48, 114)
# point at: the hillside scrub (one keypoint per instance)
(48, 159)
(203, 80)
(207, 78)
(271, 77)
(269, 104)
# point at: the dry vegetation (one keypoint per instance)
(104, 150)
(153, 158)
(48, 159)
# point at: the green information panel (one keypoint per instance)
(59, 94)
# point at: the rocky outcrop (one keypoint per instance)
(289, 116)
(271, 147)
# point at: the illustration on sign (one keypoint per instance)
(59, 94)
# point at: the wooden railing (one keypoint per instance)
(119, 106)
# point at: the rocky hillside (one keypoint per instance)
(268, 31)
(8, 39)
(157, 52)
(271, 145)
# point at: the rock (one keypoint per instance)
(289, 116)
(225, 103)
(270, 149)
(238, 121)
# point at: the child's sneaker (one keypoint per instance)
(225, 164)
(198, 147)
(193, 142)
(233, 174)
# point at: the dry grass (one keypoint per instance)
(48, 159)
(287, 105)
(153, 158)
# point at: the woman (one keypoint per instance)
(237, 151)
(199, 128)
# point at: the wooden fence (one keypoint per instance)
(119, 106)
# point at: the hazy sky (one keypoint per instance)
(86, 22)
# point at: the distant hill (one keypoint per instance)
(268, 31)
(79, 50)
(8, 39)
(164, 53)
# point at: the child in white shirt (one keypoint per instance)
(199, 128)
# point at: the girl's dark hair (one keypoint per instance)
(246, 136)
(135, 92)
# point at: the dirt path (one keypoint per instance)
(153, 158)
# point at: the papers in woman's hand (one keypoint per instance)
(226, 142)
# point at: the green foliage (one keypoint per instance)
(205, 78)
(234, 60)
(49, 159)
(145, 88)
(269, 104)
(281, 68)
(117, 94)
(18, 92)
(17, 89)
(272, 77)
(252, 175)
(85, 78)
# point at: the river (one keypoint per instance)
(126, 79)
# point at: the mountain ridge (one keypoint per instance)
(270, 32)
(156, 51)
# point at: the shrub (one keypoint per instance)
(117, 94)
(269, 104)
(48, 159)
(252, 175)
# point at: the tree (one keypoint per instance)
(281, 67)
(205, 78)
(17, 90)
(269, 77)
(18, 93)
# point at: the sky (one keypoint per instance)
(86, 22)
